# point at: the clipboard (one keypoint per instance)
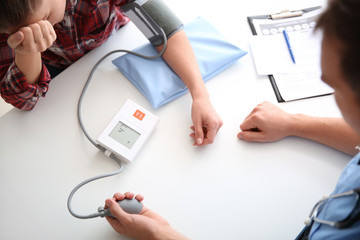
(279, 16)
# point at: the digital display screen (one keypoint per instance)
(124, 135)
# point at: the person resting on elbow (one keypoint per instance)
(41, 38)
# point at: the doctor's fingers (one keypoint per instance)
(255, 109)
(252, 122)
(258, 109)
(252, 136)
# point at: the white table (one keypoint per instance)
(228, 190)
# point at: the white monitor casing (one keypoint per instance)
(128, 131)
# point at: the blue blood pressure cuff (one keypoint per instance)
(156, 80)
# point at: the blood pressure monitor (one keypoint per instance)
(128, 131)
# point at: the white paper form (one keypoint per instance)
(299, 86)
(272, 56)
(301, 81)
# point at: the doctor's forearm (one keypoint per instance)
(334, 132)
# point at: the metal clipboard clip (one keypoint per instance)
(286, 14)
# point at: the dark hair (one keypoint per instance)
(13, 13)
(341, 20)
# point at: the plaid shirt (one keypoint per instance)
(85, 26)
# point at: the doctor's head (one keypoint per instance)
(340, 57)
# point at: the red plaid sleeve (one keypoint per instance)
(86, 25)
(16, 91)
(14, 88)
(122, 2)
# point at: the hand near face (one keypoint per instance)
(34, 38)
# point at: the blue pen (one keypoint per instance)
(288, 45)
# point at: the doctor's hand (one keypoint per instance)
(266, 123)
(146, 225)
(206, 122)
